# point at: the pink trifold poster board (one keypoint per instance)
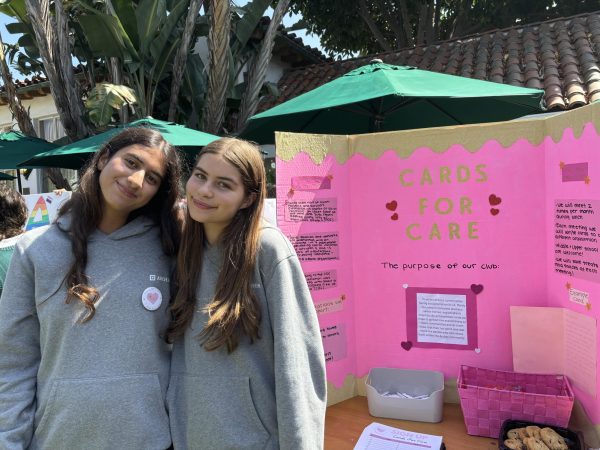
(417, 243)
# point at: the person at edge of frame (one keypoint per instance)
(83, 363)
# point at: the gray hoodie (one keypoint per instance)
(96, 385)
(267, 395)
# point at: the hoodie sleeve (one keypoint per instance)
(19, 354)
(300, 385)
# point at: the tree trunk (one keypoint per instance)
(430, 31)
(181, 56)
(422, 23)
(64, 60)
(377, 34)
(14, 103)
(51, 40)
(396, 24)
(116, 69)
(22, 117)
(258, 68)
(437, 18)
(460, 21)
(218, 67)
(406, 23)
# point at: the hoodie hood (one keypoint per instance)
(138, 226)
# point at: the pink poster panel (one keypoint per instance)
(456, 220)
(312, 208)
(573, 245)
(460, 221)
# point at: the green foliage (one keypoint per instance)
(344, 31)
(143, 36)
(104, 99)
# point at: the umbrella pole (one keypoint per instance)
(19, 185)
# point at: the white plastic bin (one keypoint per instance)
(416, 383)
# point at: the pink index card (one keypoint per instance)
(580, 350)
(537, 339)
(310, 183)
(575, 172)
(555, 341)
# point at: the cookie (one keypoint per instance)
(533, 431)
(514, 444)
(532, 443)
(522, 433)
(514, 433)
(553, 440)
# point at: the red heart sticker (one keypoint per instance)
(495, 200)
(392, 205)
(395, 216)
(477, 288)
(406, 345)
(153, 297)
(494, 211)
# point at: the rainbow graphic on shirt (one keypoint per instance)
(39, 215)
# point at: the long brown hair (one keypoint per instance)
(14, 212)
(85, 208)
(234, 311)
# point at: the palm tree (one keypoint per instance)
(52, 38)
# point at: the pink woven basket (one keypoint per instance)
(489, 397)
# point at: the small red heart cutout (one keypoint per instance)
(392, 205)
(494, 200)
(494, 211)
(406, 345)
(152, 297)
(395, 216)
(477, 288)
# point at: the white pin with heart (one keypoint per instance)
(151, 298)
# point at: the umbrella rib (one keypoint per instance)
(363, 111)
(310, 120)
(443, 110)
(401, 104)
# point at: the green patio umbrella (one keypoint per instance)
(75, 155)
(382, 97)
(15, 147)
(5, 176)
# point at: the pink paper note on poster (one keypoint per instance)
(576, 242)
(555, 341)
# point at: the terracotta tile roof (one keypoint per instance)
(561, 56)
(28, 88)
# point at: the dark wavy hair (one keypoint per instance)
(14, 212)
(234, 311)
(85, 208)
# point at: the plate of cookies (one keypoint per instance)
(521, 435)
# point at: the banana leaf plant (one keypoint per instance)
(142, 38)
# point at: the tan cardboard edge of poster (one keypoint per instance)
(471, 137)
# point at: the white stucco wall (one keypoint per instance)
(39, 108)
(274, 70)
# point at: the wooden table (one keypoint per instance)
(345, 422)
